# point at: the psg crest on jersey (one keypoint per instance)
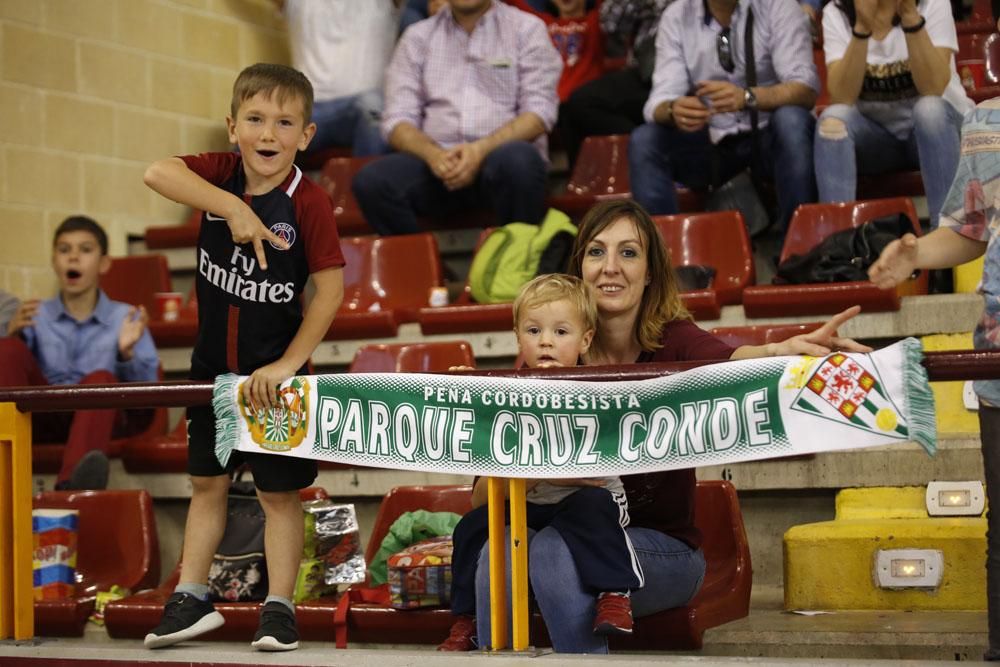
(285, 232)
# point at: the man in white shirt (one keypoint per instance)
(343, 47)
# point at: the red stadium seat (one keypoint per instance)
(725, 592)
(151, 424)
(184, 235)
(136, 615)
(317, 160)
(465, 315)
(387, 281)
(375, 622)
(762, 334)
(693, 240)
(336, 178)
(412, 357)
(980, 20)
(116, 544)
(136, 280)
(165, 453)
(810, 224)
(724, 595)
(601, 172)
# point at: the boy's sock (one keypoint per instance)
(614, 614)
(277, 630)
(285, 601)
(199, 591)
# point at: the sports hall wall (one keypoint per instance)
(92, 91)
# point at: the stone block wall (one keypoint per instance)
(92, 91)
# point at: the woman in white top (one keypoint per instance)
(897, 101)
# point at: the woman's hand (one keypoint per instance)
(822, 341)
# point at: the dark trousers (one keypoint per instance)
(395, 190)
(610, 104)
(659, 156)
(589, 523)
(989, 426)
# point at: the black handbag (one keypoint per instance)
(843, 256)
(239, 571)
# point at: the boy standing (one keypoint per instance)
(266, 230)
(78, 337)
(555, 317)
(967, 229)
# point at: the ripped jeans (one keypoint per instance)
(865, 146)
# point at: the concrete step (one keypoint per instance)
(834, 564)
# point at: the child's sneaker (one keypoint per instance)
(614, 614)
(184, 617)
(462, 636)
(277, 630)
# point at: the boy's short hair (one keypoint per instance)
(552, 287)
(81, 223)
(280, 80)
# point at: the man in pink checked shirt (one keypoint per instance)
(470, 96)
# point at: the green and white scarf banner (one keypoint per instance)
(722, 413)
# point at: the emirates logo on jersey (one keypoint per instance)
(285, 232)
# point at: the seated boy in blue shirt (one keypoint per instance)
(79, 337)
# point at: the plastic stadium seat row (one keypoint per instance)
(810, 224)
(116, 544)
(134, 616)
(387, 280)
(693, 240)
(412, 357)
(724, 596)
(184, 235)
(601, 173)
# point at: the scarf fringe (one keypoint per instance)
(227, 419)
(919, 398)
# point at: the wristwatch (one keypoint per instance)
(749, 99)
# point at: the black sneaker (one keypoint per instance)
(90, 472)
(184, 617)
(277, 630)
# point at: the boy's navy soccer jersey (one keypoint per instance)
(247, 316)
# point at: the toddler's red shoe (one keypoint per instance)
(614, 614)
(462, 636)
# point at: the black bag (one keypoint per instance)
(692, 277)
(843, 256)
(239, 571)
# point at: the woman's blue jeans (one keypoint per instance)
(673, 571)
(867, 147)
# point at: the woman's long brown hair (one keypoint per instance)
(661, 301)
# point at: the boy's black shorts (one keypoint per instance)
(270, 472)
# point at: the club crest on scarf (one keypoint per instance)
(842, 389)
(281, 428)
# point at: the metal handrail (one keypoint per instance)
(941, 366)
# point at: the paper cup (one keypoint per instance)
(972, 73)
(168, 306)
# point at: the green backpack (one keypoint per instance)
(515, 253)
